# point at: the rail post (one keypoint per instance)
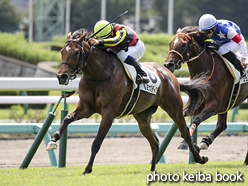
(234, 112)
(194, 140)
(63, 139)
(25, 106)
(37, 141)
(171, 132)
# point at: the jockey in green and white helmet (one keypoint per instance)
(104, 33)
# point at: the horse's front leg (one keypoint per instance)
(81, 111)
(220, 126)
(106, 122)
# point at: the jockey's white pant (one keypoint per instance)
(136, 51)
(229, 46)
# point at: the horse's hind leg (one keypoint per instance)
(78, 113)
(208, 111)
(220, 126)
(144, 120)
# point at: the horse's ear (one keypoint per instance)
(197, 34)
(178, 30)
(69, 35)
(82, 37)
(192, 34)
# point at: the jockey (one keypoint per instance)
(124, 42)
(228, 36)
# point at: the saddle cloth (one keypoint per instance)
(150, 87)
(236, 83)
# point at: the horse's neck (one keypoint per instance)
(98, 66)
(202, 64)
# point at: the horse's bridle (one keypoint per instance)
(186, 59)
(82, 54)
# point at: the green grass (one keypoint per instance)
(119, 175)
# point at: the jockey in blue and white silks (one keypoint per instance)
(228, 36)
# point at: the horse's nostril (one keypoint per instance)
(63, 76)
(168, 64)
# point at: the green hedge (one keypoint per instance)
(16, 46)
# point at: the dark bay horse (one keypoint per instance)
(105, 89)
(188, 47)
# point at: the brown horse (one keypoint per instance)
(105, 89)
(188, 47)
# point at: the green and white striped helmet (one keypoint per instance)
(104, 33)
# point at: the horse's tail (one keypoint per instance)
(197, 90)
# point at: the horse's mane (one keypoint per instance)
(189, 29)
(198, 35)
(79, 32)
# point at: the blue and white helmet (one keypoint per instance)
(207, 21)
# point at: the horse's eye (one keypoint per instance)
(184, 44)
(76, 53)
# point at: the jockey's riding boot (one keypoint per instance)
(141, 75)
(240, 68)
(230, 56)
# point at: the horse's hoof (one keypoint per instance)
(183, 146)
(51, 145)
(153, 168)
(87, 171)
(205, 160)
(203, 146)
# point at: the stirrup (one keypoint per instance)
(142, 79)
(242, 73)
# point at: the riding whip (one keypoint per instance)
(109, 23)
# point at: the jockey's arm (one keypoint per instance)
(238, 39)
(234, 36)
(114, 41)
(243, 49)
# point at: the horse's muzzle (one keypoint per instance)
(63, 79)
(170, 66)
